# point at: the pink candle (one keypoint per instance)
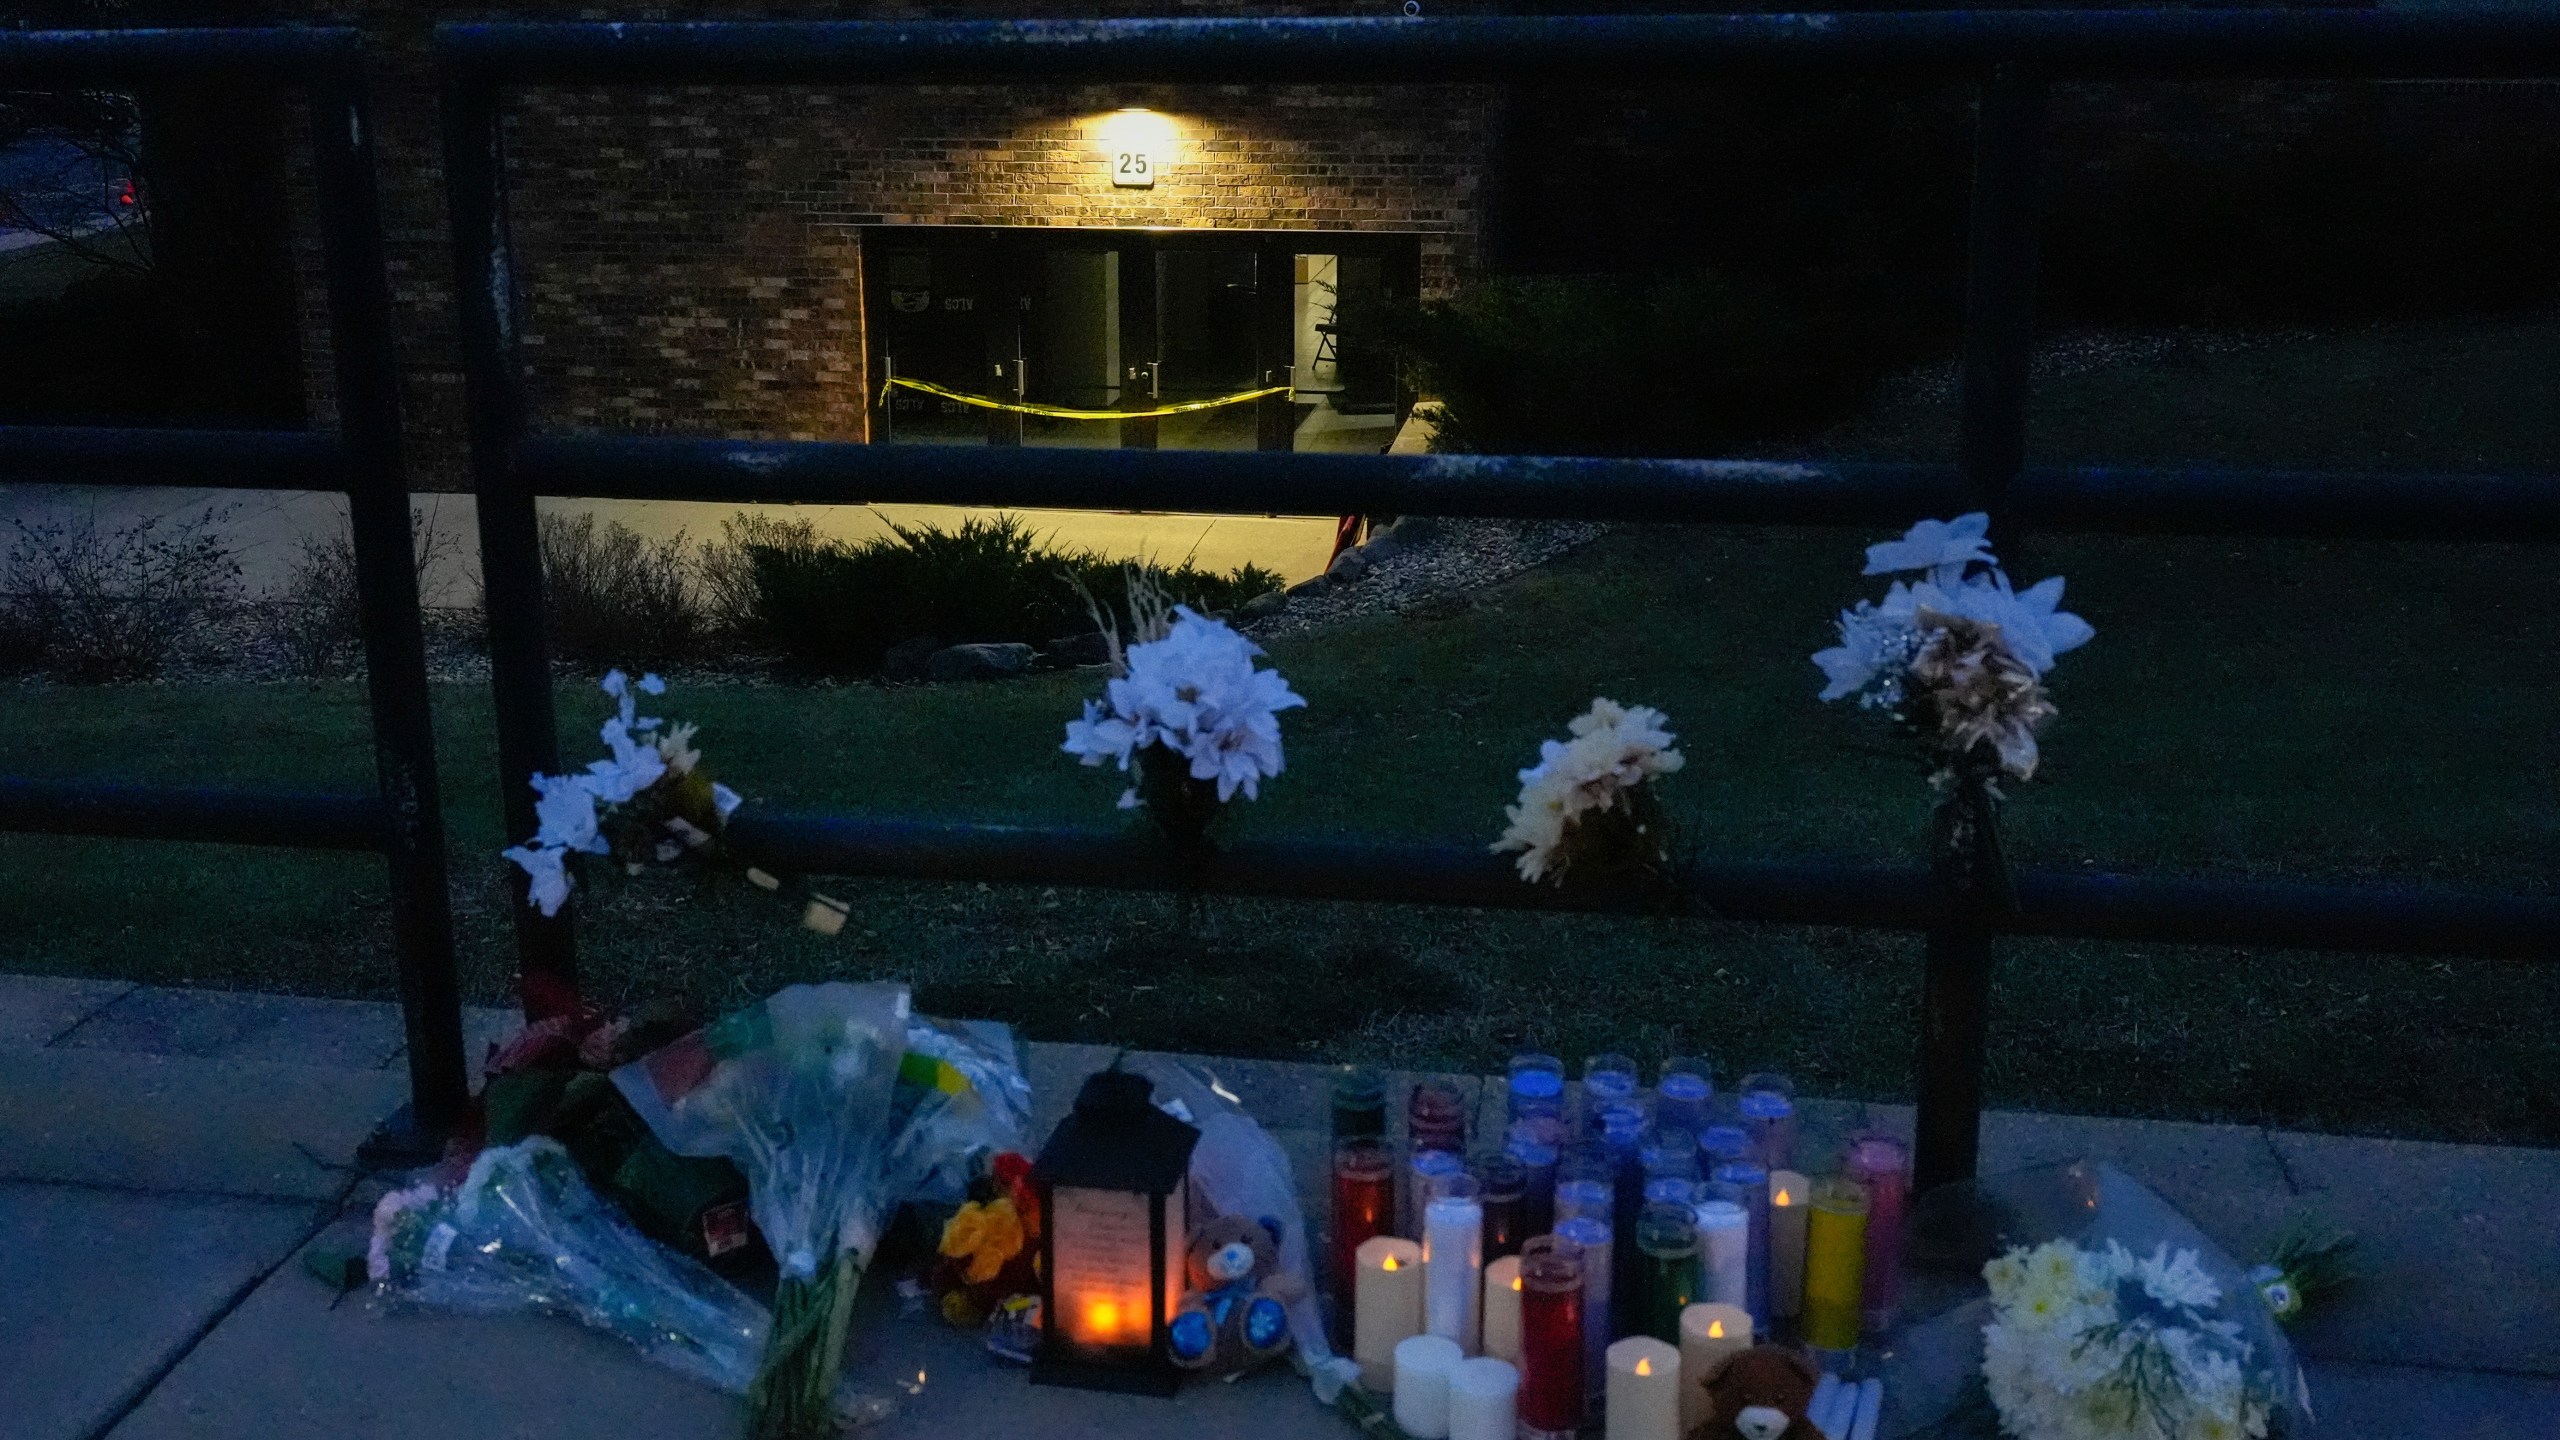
(1883, 1165)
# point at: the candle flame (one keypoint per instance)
(1715, 1329)
(1781, 1198)
(1644, 1366)
(1515, 1282)
(1390, 1264)
(1102, 1320)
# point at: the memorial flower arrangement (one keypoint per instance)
(1586, 803)
(2102, 1344)
(647, 802)
(989, 1249)
(1957, 657)
(1185, 713)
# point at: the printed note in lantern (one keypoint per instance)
(1103, 1279)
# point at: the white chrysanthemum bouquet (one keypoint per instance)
(2101, 1344)
(1185, 713)
(1585, 804)
(1957, 656)
(648, 802)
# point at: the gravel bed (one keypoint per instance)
(2077, 352)
(1417, 559)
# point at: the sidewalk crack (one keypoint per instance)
(74, 1027)
(2284, 1165)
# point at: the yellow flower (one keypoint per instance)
(986, 1235)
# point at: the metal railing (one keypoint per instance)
(2012, 55)
(402, 820)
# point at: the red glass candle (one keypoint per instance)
(1364, 1206)
(1436, 1117)
(1883, 1165)
(1551, 1390)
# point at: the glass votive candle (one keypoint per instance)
(1504, 1182)
(1835, 1265)
(1882, 1164)
(1750, 1179)
(1593, 1240)
(1722, 1145)
(1535, 1141)
(1667, 1276)
(1670, 1190)
(1364, 1207)
(1551, 1342)
(1435, 1117)
(1723, 1218)
(1536, 1086)
(1586, 1186)
(1688, 1083)
(1669, 1150)
(1421, 1174)
(1607, 1080)
(1767, 1102)
(1359, 1103)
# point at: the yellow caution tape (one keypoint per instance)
(1063, 412)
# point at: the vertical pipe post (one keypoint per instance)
(404, 750)
(475, 173)
(1999, 336)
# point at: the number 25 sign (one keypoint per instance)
(1132, 170)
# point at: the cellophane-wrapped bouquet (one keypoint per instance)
(523, 1232)
(2072, 1303)
(804, 1092)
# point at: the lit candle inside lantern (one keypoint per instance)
(1453, 1263)
(1644, 1390)
(1708, 1334)
(1502, 1309)
(1484, 1395)
(1790, 1199)
(1424, 1364)
(1724, 1245)
(1835, 1266)
(1387, 1306)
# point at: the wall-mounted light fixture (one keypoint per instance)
(1137, 145)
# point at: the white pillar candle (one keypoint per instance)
(1453, 1269)
(1708, 1334)
(1502, 1309)
(1790, 1201)
(1724, 1251)
(1423, 1366)
(1644, 1390)
(1387, 1306)
(1484, 1400)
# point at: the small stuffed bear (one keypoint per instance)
(1236, 1315)
(1760, 1394)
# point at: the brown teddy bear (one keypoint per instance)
(1237, 1315)
(1760, 1394)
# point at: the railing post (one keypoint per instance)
(404, 749)
(475, 177)
(1999, 336)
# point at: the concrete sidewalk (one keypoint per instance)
(164, 1155)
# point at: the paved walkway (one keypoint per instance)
(165, 1154)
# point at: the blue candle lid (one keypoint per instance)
(1725, 1142)
(1537, 1084)
(1622, 1126)
(1670, 1190)
(1685, 1085)
(1745, 1173)
(1438, 1162)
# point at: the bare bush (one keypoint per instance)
(94, 605)
(314, 619)
(617, 597)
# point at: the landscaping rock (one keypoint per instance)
(906, 659)
(1068, 651)
(1269, 602)
(1348, 567)
(1311, 587)
(979, 662)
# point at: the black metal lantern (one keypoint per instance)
(1112, 1239)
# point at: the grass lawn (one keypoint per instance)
(2331, 711)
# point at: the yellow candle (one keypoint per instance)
(1708, 1333)
(1644, 1390)
(1790, 1198)
(1502, 1309)
(1835, 1265)
(1387, 1306)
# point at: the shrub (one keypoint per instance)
(314, 618)
(94, 605)
(837, 607)
(1699, 365)
(614, 597)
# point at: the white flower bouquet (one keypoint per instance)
(647, 802)
(523, 1232)
(1586, 804)
(2089, 1310)
(1186, 714)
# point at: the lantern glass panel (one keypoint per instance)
(1105, 1266)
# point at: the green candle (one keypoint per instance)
(1668, 1279)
